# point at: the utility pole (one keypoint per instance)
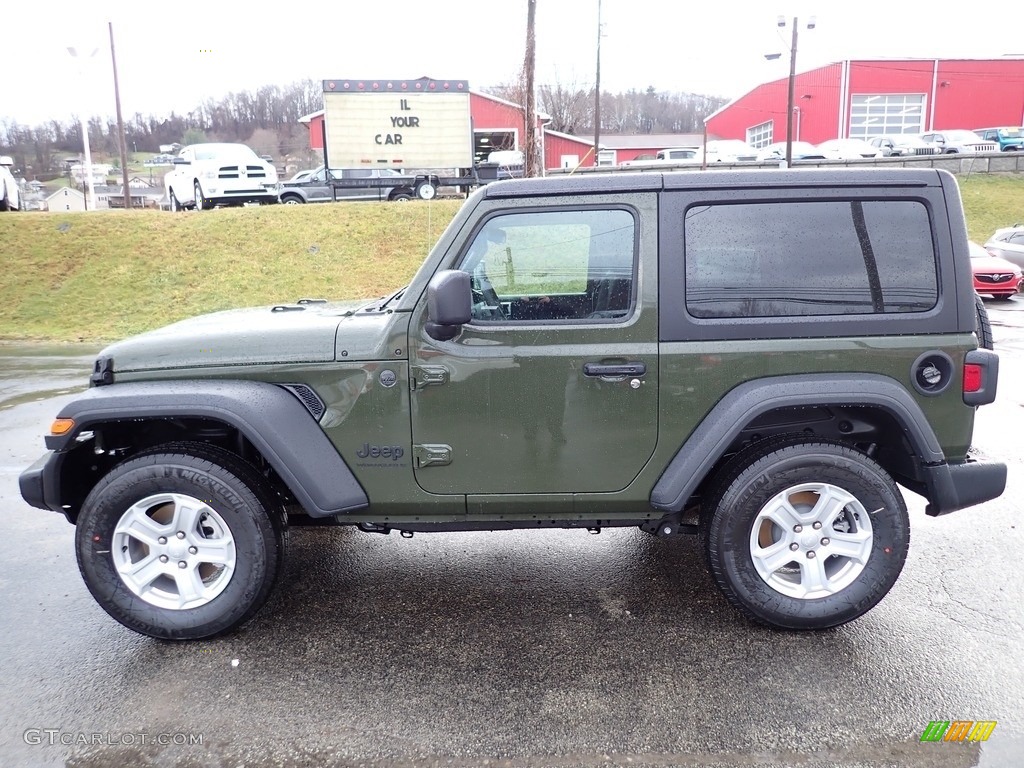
(597, 92)
(792, 93)
(120, 124)
(531, 164)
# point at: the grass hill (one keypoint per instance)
(103, 275)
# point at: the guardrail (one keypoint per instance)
(959, 164)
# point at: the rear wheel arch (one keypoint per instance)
(746, 414)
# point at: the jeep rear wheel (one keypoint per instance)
(805, 535)
(180, 544)
(982, 325)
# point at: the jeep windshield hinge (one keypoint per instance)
(432, 455)
(425, 375)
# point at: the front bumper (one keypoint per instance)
(38, 483)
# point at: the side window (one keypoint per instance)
(320, 175)
(809, 258)
(553, 265)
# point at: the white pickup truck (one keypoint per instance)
(207, 175)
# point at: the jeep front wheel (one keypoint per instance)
(805, 535)
(180, 545)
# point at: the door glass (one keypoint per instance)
(553, 265)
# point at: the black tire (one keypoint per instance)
(292, 199)
(235, 515)
(201, 202)
(401, 197)
(983, 327)
(175, 205)
(1004, 297)
(739, 539)
(5, 202)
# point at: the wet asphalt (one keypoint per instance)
(559, 649)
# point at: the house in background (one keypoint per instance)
(874, 97)
(66, 199)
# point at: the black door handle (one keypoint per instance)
(614, 369)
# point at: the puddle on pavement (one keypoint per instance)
(37, 372)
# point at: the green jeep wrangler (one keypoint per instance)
(757, 358)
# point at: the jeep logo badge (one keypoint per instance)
(388, 378)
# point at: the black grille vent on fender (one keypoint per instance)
(308, 398)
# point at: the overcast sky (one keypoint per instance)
(173, 56)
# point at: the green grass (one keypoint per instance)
(101, 276)
(105, 275)
(991, 202)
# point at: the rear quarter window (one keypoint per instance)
(808, 258)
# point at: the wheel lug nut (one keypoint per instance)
(180, 534)
(182, 564)
(824, 542)
(163, 558)
(794, 546)
(193, 550)
(797, 528)
(810, 555)
(817, 525)
(162, 540)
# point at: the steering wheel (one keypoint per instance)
(485, 295)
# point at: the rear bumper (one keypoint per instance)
(956, 486)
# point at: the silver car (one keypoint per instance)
(1008, 243)
(952, 142)
(903, 145)
(317, 187)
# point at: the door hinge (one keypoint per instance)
(432, 455)
(425, 375)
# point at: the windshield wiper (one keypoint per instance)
(396, 295)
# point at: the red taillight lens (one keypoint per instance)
(972, 377)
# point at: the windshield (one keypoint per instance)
(1010, 133)
(964, 136)
(213, 151)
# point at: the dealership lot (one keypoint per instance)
(522, 649)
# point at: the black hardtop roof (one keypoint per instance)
(596, 183)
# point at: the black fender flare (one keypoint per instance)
(723, 424)
(269, 416)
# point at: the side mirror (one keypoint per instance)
(449, 304)
(7, 161)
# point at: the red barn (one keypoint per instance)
(871, 97)
(497, 125)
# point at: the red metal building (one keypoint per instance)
(870, 97)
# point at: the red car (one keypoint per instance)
(994, 276)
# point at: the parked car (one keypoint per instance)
(10, 193)
(207, 175)
(1008, 243)
(848, 149)
(726, 151)
(669, 156)
(994, 276)
(953, 142)
(903, 145)
(317, 188)
(1008, 139)
(801, 150)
